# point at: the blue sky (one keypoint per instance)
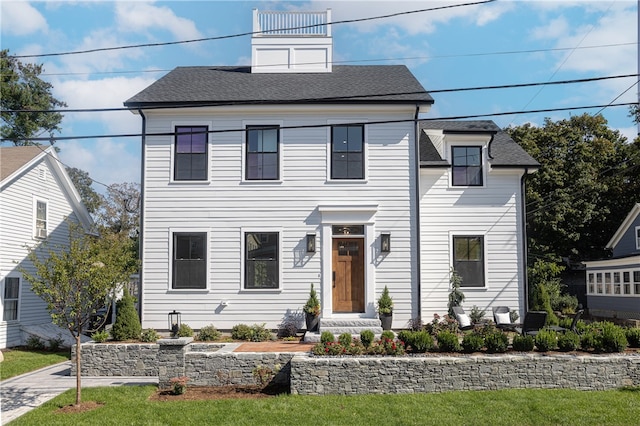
(504, 42)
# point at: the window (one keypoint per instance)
(607, 282)
(637, 237)
(261, 261)
(599, 282)
(41, 219)
(467, 165)
(468, 260)
(626, 276)
(189, 260)
(636, 285)
(592, 288)
(347, 152)
(11, 296)
(191, 153)
(262, 153)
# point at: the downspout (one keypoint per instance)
(523, 210)
(140, 226)
(416, 140)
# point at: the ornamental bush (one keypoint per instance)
(185, 331)
(327, 337)
(496, 342)
(633, 337)
(345, 339)
(472, 342)
(568, 341)
(448, 341)
(546, 340)
(127, 325)
(387, 334)
(421, 341)
(367, 337)
(611, 339)
(209, 333)
(149, 335)
(523, 343)
(100, 336)
(406, 336)
(241, 332)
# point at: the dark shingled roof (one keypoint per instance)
(237, 85)
(505, 152)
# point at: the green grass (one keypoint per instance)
(129, 405)
(20, 361)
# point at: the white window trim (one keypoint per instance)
(595, 272)
(243, 169)
(36, 200)
(243, 232)
(2, 300)
(207, 288)
(637, 237)
(365, 150)
(190, 123)
(485, 256)
(452, 141)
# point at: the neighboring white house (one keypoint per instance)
(613, 285)
(36, 198)
(259, 181)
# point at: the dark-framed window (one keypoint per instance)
(189, 260)
(190, 161)
(468, 259)
(41, 219)
(347, 152)
(262, 153)
(261, 260)
(467, 165)
(11, 297)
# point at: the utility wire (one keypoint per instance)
(348, 21)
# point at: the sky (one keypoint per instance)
(504, 42)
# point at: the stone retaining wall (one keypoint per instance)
(117, 359)
(371, 375)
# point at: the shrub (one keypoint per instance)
(209, 333)
(100, 336)
(496, 342)
(254, 333)
(406, 336)
(185, 331)
(127, 325)
(312, 306)
(476, 315)
(345, 339)
(588, 339)
(448, 341)
(421, 341)
(523, 343)
(565, 303)
(179, 384)
(612, 338)
(386, 346)
(546, 340)
(327, 337)
(34, 343)
(568, 341)
(472, 342)
(633, 337)
(415, 324)
(241, 332)
(289, 326)
(456, 296)
(385, 303)
(56, 343)
(367, 337)
(387, 334)
(149, 335)
(542, 302)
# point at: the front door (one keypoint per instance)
(348, 275)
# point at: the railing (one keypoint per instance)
(308, 24)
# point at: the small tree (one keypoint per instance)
(456, 296)
(385, 303)
(313, 304)
(76, 280)
(127, 325)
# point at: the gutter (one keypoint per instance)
(416, 140)
(141, 224)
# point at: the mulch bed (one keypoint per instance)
(208, 393)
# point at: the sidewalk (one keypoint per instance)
(23, 393)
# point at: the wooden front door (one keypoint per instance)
(348, 275)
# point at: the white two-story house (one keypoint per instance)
(259, 181)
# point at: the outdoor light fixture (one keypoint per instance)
(174, 323)
(385, 243)
(311, 243)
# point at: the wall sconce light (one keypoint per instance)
(311, 243)
(175, 319)
(385, 243)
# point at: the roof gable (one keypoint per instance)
(14, 158)
(624, 226)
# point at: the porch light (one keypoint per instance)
(311, 243)
(175, 319)
(385, 243)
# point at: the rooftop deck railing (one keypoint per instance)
(307, 24)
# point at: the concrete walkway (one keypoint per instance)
(23, 393)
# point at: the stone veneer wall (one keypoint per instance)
(369, 375)
(117, 359)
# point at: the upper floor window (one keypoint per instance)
(347, 152)
(41, 219)
(262, 153)
(189, 260)
(467, 165)
(190, 153)
(637, 237)
(11, 296)
(468, 259)
(261, 261)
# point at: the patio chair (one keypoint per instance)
(574, 323)
(533, 322)
(464, 322)
(502, 318)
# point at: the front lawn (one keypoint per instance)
(20, 361)
(130, 405)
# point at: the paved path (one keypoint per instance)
(26, 392)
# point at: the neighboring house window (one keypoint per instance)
(347, 152)
(11, 297)
(637, 237)
(261, 261)
(189, 260)
(467, 165)
(41, 219)
(468, 260)
(262, 153)
(191, 153)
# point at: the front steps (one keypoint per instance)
(339, 326)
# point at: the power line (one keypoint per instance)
(348, 21)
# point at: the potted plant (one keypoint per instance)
(385, 309)
(312, 310)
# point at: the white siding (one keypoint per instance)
(492, 211)
(225, 205)
(17, 218)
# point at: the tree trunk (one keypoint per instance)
(78, 375)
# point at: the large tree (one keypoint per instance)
(82, 181)
(22, 89)
(587, 183)
(75, 281)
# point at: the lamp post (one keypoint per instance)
(174, 323)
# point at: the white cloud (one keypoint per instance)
(555, 28)
(20, 18)
(142, 16)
